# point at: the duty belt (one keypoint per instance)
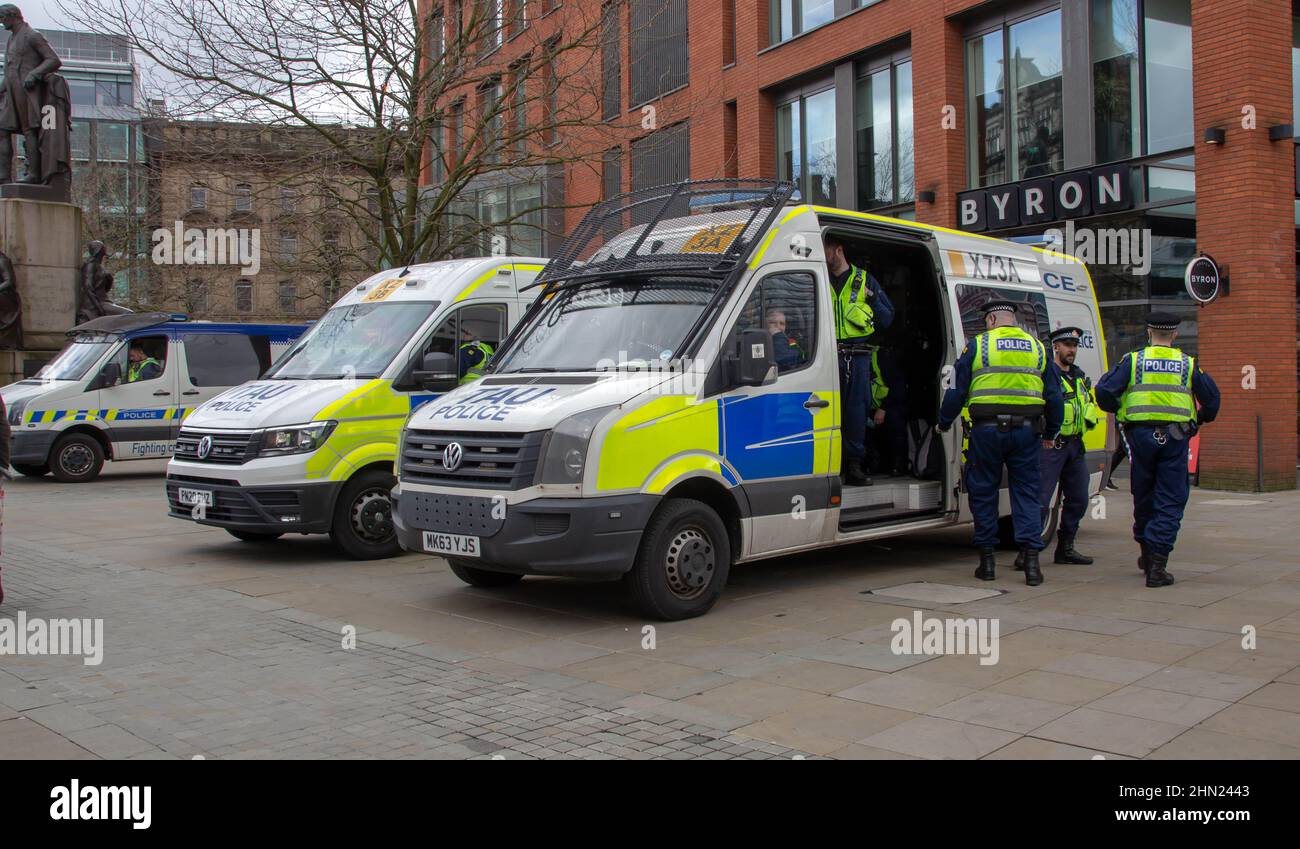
(856, 348)
(1004, 422)
(1163, 431)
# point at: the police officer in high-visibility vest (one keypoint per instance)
(141, 365)
(861, 309)
(474, 356)
(1065, 462)
(1014, 393)
(1154, 392)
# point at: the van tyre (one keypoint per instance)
(683, 562)
(253, 536)
(76, 458)
(362, 526)
(32, 471)
(476, 577)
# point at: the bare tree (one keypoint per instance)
(450, 93)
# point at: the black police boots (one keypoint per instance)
(854, 474)
(988, 565)
(1144, 559)
(1029, 560)
(1157, 575)
(1065, 552)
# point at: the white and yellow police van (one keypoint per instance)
(94, 402)
(639, 423)
(309, 448)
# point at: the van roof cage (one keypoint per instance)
(708, 226)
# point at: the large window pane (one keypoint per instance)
(817, 12)
(1036, 89)
(80, 138)
(820, 115)
(112, 142)
(1295, 71)
(874, 140)
(1168, 74)
(1115, 81)
(903, 139)
(987, 111)
(526, 220)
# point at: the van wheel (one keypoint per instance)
(253, 536)
(1007, 528)
(32, 471)
(476, 577)
(362, 527)
(76, 458)
(683, 561)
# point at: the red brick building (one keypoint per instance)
(1011, 117)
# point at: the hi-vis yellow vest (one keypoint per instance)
(1008, 369)
(854, 317)
(1159, 387)
(1080, 406)
(475, 371)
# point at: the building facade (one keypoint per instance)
(1083, 119)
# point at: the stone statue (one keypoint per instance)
(35, 102)
(94, 287)
(11, 308)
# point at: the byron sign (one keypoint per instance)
(1094, 191)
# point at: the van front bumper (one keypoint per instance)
(31, 448)
(302, 509)
(574, 537)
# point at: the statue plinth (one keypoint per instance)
(43, 241)
(56, 191)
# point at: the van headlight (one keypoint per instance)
(16, 412)
(565, 456)
(295, 439)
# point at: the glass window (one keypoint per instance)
(788, 18)
(904, 140)
(480, 323)
(198, 197)
(526, 220)
(243, 296)
(784, 305)
(1295, 73)
(521, 109)
(288, 298)
(1168, 74)
(358, 340)
(114, 141)
(1036, 88)
(288, 245)
(225, 359)
(82, 92)
(243, 198)
(288, 200)
(1115, 82)
(80, 138)
(658, 49)
(74, 361)
(493, 210)
(986, 111)
(805, 143)
(492, 121)
(152, 347)
(1031, 309)
(874, 140)
(196, 297)
(611, 62)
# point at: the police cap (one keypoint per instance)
(999, 306)
(1163, 321)
(1067, 334)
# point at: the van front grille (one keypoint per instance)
(487, 460)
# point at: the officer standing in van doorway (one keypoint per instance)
(1014, 392)
(1154, 392)
(861, 309)
(1065, 462)
(474, 356)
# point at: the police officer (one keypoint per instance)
(1014, 393)
(786, 349)
(1154, 392)
(142, 366)
(1065, 461)
(474, 356)
(861, 309)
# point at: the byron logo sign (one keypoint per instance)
(1094, 191)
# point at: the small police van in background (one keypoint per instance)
(81, 408)
(638, 423)
(309, 448)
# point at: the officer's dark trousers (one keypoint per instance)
(855, 401)
(1160, 489)
(887, 442)
(1018, 450)
(1068, 466)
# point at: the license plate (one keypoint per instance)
(195, 496)
(453, 544)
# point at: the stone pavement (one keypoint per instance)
(232, 650)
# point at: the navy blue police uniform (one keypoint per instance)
(1161, 397)
(1006, 435)
(1065, 463)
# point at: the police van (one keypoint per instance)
(309, 448)
(121, 387)
(637, 423)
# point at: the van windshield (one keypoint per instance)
(74, 361)
(356, 341)
(609, 324)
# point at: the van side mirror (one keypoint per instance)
(109, 375)
(437, 372)
(755, 361)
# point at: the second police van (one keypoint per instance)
(637, 424)
(310, 447)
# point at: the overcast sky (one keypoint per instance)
(43, 14)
